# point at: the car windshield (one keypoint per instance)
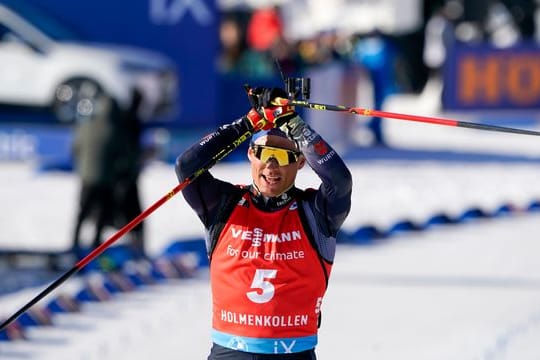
(46, 23)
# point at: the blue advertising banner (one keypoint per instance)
(486, 78)
(35, 142)
(185, 30)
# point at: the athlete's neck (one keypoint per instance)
(271, 202)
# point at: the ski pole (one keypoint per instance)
(97, 251)
(424, 119)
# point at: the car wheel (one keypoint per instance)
(77, 99)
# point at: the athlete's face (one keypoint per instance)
(270, 178)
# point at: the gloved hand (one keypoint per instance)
(258, 121)
(271, 105)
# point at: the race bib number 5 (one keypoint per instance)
(264, 289)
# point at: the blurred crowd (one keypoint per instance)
(252, 38)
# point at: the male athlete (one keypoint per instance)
(271, 245)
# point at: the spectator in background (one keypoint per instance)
(126, 189)
(251, 41)
(264, 29)
(93, 150)
(237, 58)
(265, 38)
(378, 55)
(107, 159)
(232, 45)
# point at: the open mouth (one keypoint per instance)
(271, 179)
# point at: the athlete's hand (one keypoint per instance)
(272, 104)
(257, 120)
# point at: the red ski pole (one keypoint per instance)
(424, 119)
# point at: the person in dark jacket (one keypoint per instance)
(271, 245)
(94, 153)
(107, 156)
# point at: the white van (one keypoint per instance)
(42, 66)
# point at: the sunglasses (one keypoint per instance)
(282, 156)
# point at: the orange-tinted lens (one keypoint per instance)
(282, 156)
